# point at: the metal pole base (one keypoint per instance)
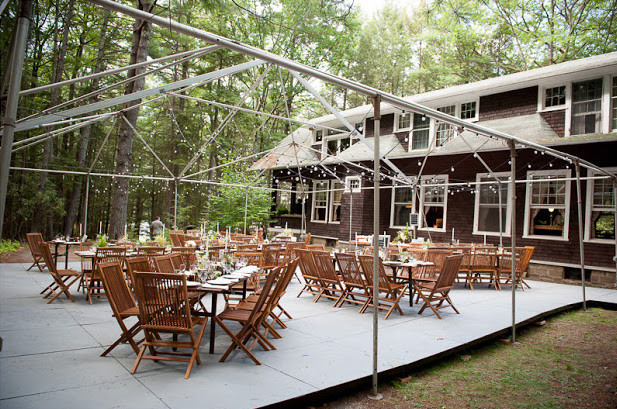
(377, 396)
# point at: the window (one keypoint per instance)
(488, 206)
(600, 209)
(353, 184)
(444, 132)
(403, 121)
(420, 134)
(320, 201)
(468, 110)
(403, 205)
(554, 97)
(547, 207)
(283, 197)
(586, 107)
(614, 104)
(335, 201)
(319, 135)
(335, 146)
(359, 127)
(433, 195)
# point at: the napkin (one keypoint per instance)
(221, 281)
(247, 270)
(216, 287)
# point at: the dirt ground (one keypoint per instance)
(23, 255)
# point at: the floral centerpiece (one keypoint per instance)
(160, 240)
(405, 235)
(101, 240)
(190, 243)
(287, 232)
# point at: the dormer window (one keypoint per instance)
(555, 96)
(420, 134)
(360, 127)
(319, 135)
(443, 131)
(404, 121)
(586, 107)
(469, 110)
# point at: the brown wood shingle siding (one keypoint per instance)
(508, 104)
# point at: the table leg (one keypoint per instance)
(410, 273)
(244, 289)
(66, 258)
(212, 323)
(56, 253)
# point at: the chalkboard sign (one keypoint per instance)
(413, 219)
(384, 240)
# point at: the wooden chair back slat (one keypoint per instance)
(163, 264)
(163, 301)
(118, 292)
(366, 262)
(325, 268)
(307, 264)
(319, 247)
(141, 263)
(348, 266)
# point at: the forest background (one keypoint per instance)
(400, 49)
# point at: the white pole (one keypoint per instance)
(513, 232)
(580, 230)
(376, 172)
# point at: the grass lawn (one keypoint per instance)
(570, 362)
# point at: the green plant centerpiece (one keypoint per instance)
(101, 240)
(160, 240)
(404, 235)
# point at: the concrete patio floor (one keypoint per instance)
(50, 353)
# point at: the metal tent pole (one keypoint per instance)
(377, 115)
(246, 206)
(86, 206)
(580, 230)
(10, 116)
(175, 204)
(615, 226)
(512, 145)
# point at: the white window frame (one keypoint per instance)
(430, 131)
(333, 190)
(436, 123)
(314, 201)
(542, 97)
(460, 110)
(338, 138)
(528, 207)
(349, 188)
(315, 131)
(603, 104)
(424, 180)
(505, 201)
(284, 192)
(589, 207)
(397, 119)
(414, 203)
(613, 105)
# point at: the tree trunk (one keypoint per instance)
(85, 131)
(120, 197)
(53, 100)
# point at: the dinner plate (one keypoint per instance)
(221, 281)
(192, 283)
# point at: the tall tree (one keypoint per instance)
(120, 195)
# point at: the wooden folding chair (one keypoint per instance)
(165, 307)
(484, 266)
(121, 301)
(312, 281)
(187, 254)
(307, 240)
(250, 321)
(134, 264)
(174, 237)
(269, 258)
(164, 264)
(150, 251)
(63, 279)
(318, 247)
(355, 285)
(247, 247)
(86, 266)
(436, 294)
(392, 292)
(331, 286)
(103, 255)
(34, 241)
(523, 257)
(464, 272)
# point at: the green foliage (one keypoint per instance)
(101, 240)
(7, 246)
(228, 204)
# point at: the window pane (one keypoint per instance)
(420, 139)
(488, 219)
(468, 110)
(404, 121)
(401, 214)
(603, 225)
(548, 223)
(602, 193)
(283, 196)
(614, 103)
(555, 96)
(337, 195)
(433, 216)
(586, 107)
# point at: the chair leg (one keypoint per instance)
(138, 359)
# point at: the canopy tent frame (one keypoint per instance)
(261, 57)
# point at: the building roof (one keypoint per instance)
(532, 128)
